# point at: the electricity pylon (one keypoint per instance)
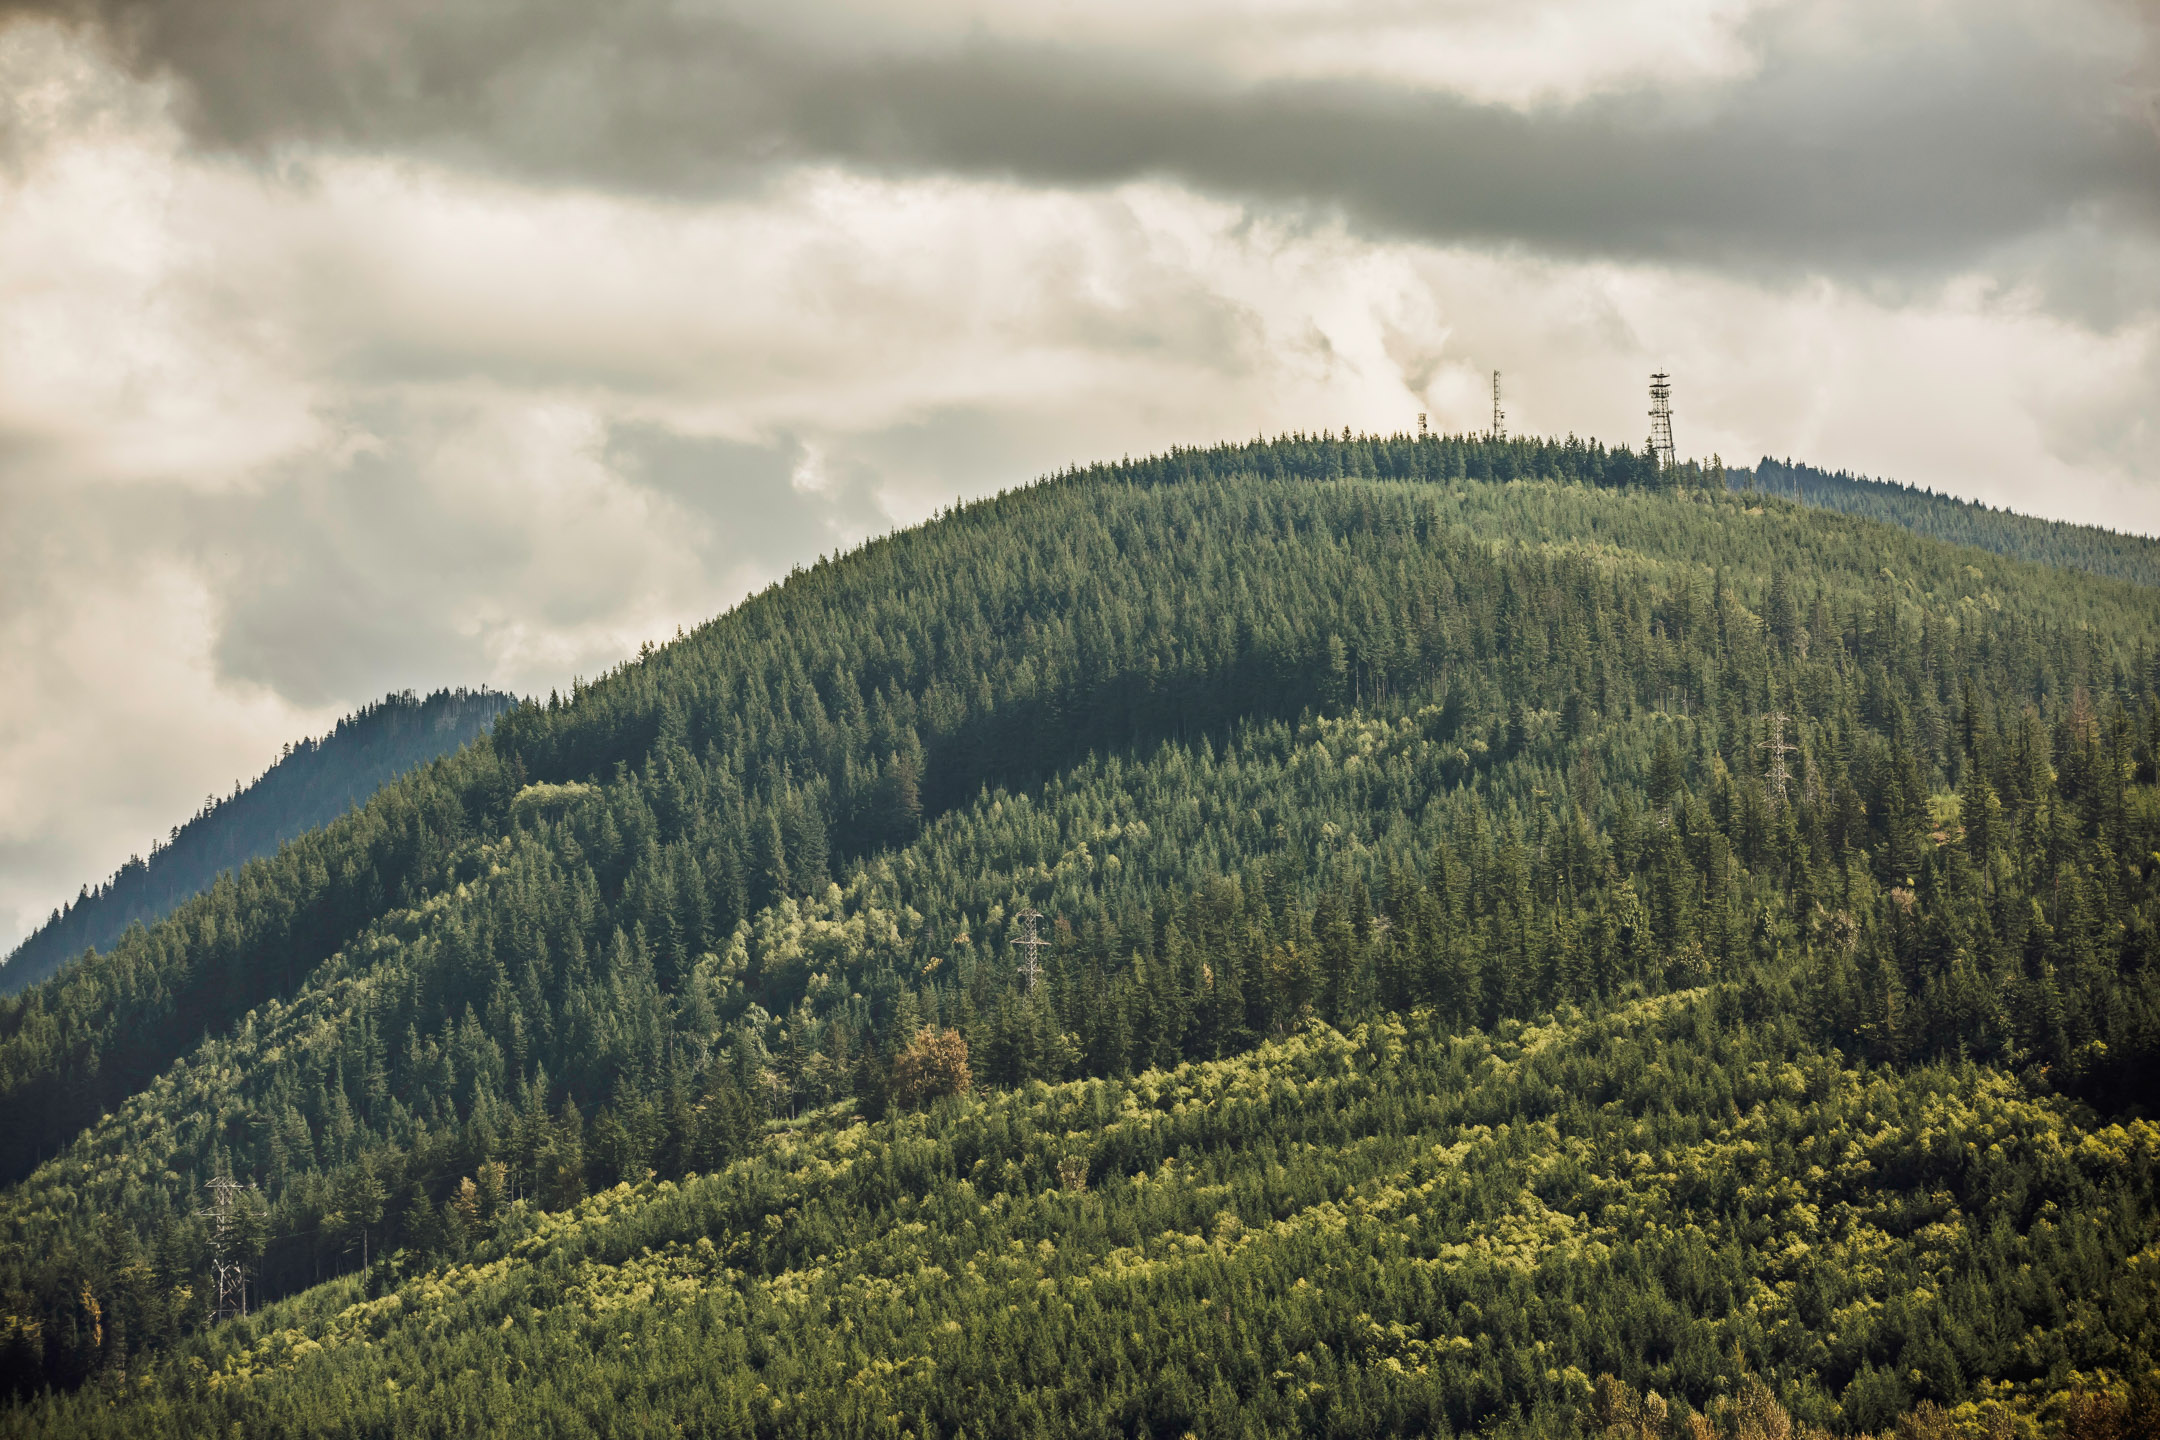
(1030, 947)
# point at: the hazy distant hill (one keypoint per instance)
(315, 782)
(1963, 522)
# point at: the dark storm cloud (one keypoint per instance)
(1912, 152)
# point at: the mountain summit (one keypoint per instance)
(1536, 942)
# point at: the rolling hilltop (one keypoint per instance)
(1537, 944)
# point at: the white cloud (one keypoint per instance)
(116, 723)
(118, 355)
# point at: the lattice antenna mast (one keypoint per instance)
(1499, 416)
(1661, 417)
(227, 1262)
(1030, 945)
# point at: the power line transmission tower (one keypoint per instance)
(228, 1257)
(1779, 747)
(1030, 946)
(1661, 417)
(1499, 416)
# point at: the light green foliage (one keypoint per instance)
(1374, 1232)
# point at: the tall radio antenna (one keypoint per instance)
(1499, 416)
(1661, 417)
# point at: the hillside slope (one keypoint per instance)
(1962, 522)
(1393, 1232)
(313, 783)
(1316, 731)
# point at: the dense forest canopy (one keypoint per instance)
(1963, 522)
(312, 783)
(1536, 942)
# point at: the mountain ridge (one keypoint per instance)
(1365, 737)
(310, 783)
(2121, 555)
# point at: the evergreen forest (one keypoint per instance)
(1963, 522)
(312, 782)
(1533, 942)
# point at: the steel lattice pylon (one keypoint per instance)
(227, 1264)
(1777, 774)
(1661, 417)
(1030, 946)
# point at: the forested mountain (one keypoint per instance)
(1963, 522)
(311, 784)
(1536, 943)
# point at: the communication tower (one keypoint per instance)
(1661, 417)
(1499, 416)
(1030, 946)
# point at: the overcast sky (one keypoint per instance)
(351, 345)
